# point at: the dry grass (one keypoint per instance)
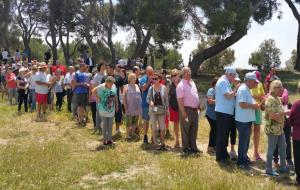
(58, 155)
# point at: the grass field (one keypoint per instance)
(58, 155)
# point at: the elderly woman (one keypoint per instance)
(58, 80)
(106, 95)
(295, 123)
(173, 104)
(211, 116)
(132, 100)
(158, 107)
(22, 85)
(274, 128)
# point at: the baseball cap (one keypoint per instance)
(251, 76)
(230, 70)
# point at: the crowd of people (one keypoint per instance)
(144, 99)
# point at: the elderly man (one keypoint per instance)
(67, 84)
(245, 107)
(188, 102)
(145, 83)
(225, 103)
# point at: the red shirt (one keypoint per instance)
(61, 67)
(11, 80)
(295, 120)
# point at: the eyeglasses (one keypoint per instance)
(174, 75)
(277, 86)
(154, 78)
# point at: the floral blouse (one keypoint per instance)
(274, 105)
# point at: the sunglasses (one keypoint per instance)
(174, 75)
(154, 78)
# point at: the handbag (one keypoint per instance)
(159, 109)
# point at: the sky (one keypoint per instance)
(283, 31)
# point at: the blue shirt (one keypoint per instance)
(244, 95)
(224, 105)
(143, 80)
(210, 110)
(80, 77)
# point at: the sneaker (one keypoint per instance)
(146, 139)
(272, 173)
(283, 170)
(233, 155)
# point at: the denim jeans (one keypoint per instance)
(32, 101)
(273, 140)
(244, 130)
(213, 132)
(287, 133)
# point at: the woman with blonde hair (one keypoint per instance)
(274, 128)
(132, 100)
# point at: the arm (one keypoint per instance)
(116, 103)
(149, 97)
(181, 107)
(210, 100)
(125, 98)
(94, 92)
(245, 105)
(230, 95)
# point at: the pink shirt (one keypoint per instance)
(188, 91)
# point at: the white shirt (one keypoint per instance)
(90, 62)
(4, 55)
(224, 105)
(32, 82)
(68, 80)
(244, 95)
(98, 78)
(41, 77)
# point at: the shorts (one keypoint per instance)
(258, 117)
(174, 115)
(145, 114)
(118, 114)
(81, 99)
(41, 98)
(132, 120)
(157, 121)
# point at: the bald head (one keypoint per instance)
(149, 71)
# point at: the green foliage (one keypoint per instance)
(291, 62)
(38, 48)
(267, 56)
(219, 61)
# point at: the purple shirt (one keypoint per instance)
(295, 120)
(188, 91)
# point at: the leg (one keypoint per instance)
(20, 101)
(104, 129)
(232, 136)
(93, 110)
(212, 133)
(25, 102)
(272, 141)
(296, 146)
(162, 126)
(256, 139)
(153, 121)
(176, 131)
(287, 133)
(98, 120)
(193, 129)
(185, 128)
(244, 138)
(282, 150)
(224, 121)
(110, 126)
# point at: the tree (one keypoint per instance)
(5, 15)
(229, 21)
(162, 21)
(267, 56)
(219, 61)
(291, 62)
(28, 17)
(297, 17)
(38, 48)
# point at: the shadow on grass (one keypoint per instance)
(104, 147)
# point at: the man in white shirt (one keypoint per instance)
(244, 117)
(32, 99)
(67, 85)
(5, 56)
(41, 91)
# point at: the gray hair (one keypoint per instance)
(185, 69)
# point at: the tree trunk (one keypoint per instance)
(297, 65)
(26, 43)
(145, 44)
(200, 57)
(297, 17)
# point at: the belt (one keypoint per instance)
(187, 107)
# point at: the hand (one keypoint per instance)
(287, 112)
(184, 115)
(255, 106)
(151, 104)
(117, 108)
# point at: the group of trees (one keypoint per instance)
(157, 27)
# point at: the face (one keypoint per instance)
(155, 79)
(149, 72)
(109, 85)
(231, 77)
(133, 80)
(277, 90)
(252, 84)
(187, 75)
(118, 68)
(175, 77)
